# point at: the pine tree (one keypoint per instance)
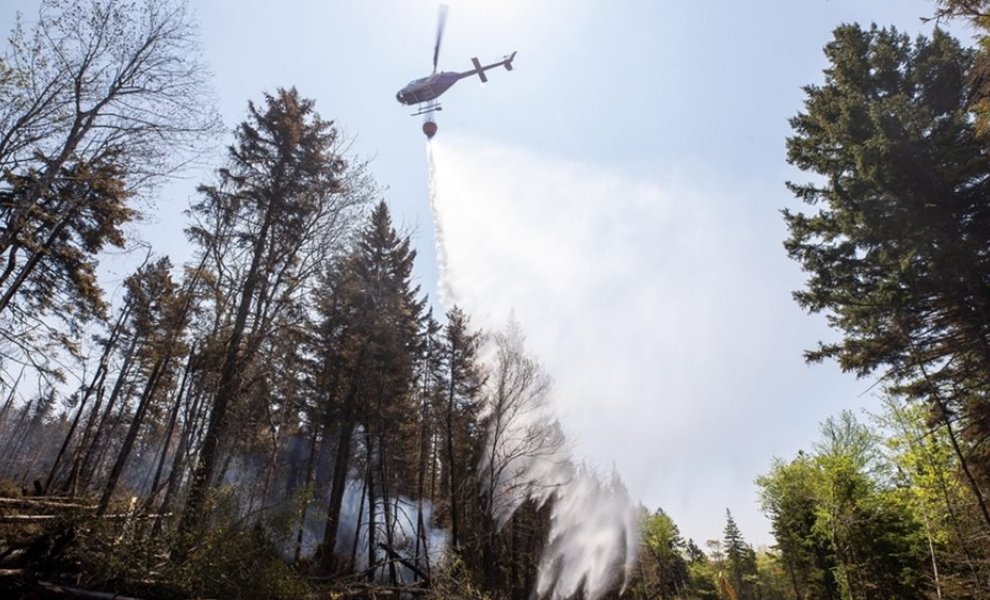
(896, 250)
(462, 403)
(664, 550)
(379, 340)
(281, 182)
(49, 271)
(739, 557)
(789, 497)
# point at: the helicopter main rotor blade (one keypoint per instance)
(441, 20)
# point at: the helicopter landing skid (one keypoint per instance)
(429, 108)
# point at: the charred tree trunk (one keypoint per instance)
(227, 387)
(173, 418)
(338, 483)
(387, 513)
(101, 371)
(424, 450)
(451, 470)
(86, 462)
(307, 481)
(161, 365)
(360, 519)
(10, 398)
(341, 464)
(372, 549)
(191, 421)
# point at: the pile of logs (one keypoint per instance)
(34, 556)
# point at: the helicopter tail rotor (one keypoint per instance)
(441, 21)
(508, 61)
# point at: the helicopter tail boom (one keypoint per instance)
(479, 69)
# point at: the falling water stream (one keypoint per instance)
(594, 530)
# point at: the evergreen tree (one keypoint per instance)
(49, 270)
(789, 496)
(462, 403)
(380, 342)
(281, 182)
(155, 326)
(739, 558)
(896, 252)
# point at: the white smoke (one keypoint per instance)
(591, 547)
(352, 533)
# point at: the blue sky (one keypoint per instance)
(619, 191)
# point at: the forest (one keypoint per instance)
(284, 416)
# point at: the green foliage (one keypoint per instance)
(895, 253)
(663, 555)
(234, 561)
(895, 247)
(740, 558)
(930, 482)
(843, 528)
(454, 581)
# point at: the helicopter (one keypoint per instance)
(425, 91)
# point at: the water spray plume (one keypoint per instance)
(594, 529)
(446, 293)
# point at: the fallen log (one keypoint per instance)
(396, 556)
(19, 573)
(357, 588)
(67, 590)
(28, 518)
(12, 553)
(43, 518)
(43, 503)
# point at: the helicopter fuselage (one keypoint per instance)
(428, 89)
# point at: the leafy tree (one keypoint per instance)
(97, 99)
(928, 472)
(50, 264)
(862, 540)
(771, 577)
(664, 548)
(91, 79)
(789, 496)
(522, 440)
(702, 574)
(876, 540)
